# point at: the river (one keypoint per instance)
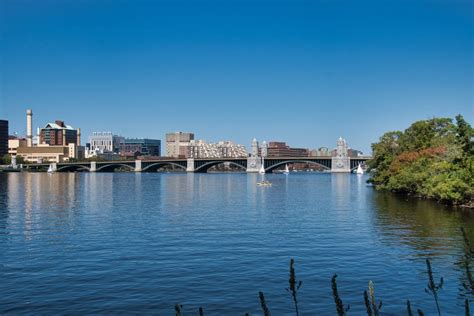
(109, 243)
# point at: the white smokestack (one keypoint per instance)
(29, 128)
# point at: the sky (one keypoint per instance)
(304, 72)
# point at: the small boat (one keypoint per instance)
(262, 167)
(287, 171)
(264, 183)
(50, 169)
(360, 170)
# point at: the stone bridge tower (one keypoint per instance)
(341, 163)
(253, 160)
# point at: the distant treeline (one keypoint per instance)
(432, 158)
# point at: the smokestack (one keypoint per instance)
(29, 128)
(78, 137)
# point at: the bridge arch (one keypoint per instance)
(210, 164)
(113, 166)
(158, 165)
(73, 168)
(274, 166)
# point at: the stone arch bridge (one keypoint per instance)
(195, 165)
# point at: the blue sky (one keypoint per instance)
(305, 72)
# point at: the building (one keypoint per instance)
(14, 143)
(222, 149)
(177, 144)
(281, 149)
(105, 142)
(3, 138)
(140, 147)
(59, 134)
(320, 152)
(44, 153)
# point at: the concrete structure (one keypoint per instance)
(177, 144)
(320, 152)
(14, 143)
(341, 162)
(281, 149)
(29, 128)
(222, 149)
(254, 161)
(141, 147)
(58, 134)
(51, 153)
(105, 142)
(3, 138)
(44, 153)
(193, 165)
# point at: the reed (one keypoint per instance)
(467, 308)
(410, 313)
(367, 304)
(294, 285)
(433, 288)
(373, 303)
(201, 311)
(178, 309)
(263, 303)
(420, 313)
(341, 310)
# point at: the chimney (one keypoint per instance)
(78, 137)
(29, 128)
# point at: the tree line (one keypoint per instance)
(432, 158)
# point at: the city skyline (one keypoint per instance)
(300, 72)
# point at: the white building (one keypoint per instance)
(105, 142)
(222, 149)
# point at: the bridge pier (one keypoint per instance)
(341, 164)
(54, 166)
(93, 166)
(253, 164)
(138, 166)
(190, 165)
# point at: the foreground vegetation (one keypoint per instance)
(373, 307)
(432, 158)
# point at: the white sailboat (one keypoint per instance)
(360, 170)
(262, 168)
(50, 169)
(287, 171)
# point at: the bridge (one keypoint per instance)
(250, 164)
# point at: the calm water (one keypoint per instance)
(109, 243)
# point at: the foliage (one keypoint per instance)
(7, 160)
(432, 158)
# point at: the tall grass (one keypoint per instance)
(371, 305)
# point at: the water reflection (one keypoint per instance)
(3, 201)
(430, 228)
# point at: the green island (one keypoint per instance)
(432, 159)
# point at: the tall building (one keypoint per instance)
(177, 144)
(3, 138)
(105, 142)
(58, 134)
(141, 146)
(281, 149)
